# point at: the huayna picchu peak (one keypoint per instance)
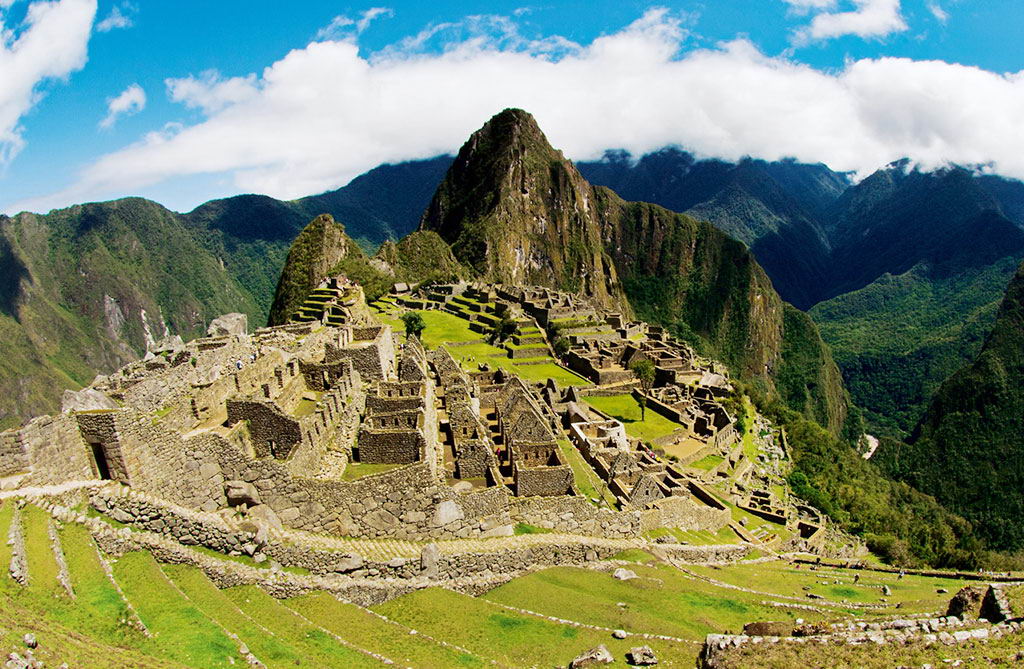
(515, 210)
(545, 393)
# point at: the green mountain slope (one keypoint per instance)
(516, 211)
(967, 450)
(87, 287)
(897, 339)
(920, 266)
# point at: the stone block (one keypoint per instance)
(289, 515)
(239, 492)
(447, 512)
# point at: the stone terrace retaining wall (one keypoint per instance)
(575, 515)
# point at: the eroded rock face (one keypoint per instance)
(228, 324)
(87, 399)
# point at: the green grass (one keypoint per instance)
(524, 528)
(724, 535)
(357, 470)
(315, 646)
(445, 328)
(510, 638)
(708, 462)
(181, 631)
(202, 593)
(42, 565)
(912, 593)
(634, 555)
(368, 631)
(625, 408)
(304, 408)
(588, 482)
(661, 601)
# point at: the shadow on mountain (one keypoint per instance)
(12, 271)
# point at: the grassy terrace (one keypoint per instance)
(625, 408)
(181, 632)
(913, 594)
(393, 640)
(588, 482)
(697, 537)
(512, 639)
(470, 349)
(357, 470)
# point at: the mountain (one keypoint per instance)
(318, 248)
(967, 449)
(516, 211)
(920, 262)
(777, 209)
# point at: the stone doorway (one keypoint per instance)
(99, 459)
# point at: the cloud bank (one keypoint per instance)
(50, 43)
(324, 114)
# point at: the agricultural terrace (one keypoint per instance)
(470, 348)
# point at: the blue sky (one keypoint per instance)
(188, 100)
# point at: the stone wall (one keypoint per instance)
(49, 448)
(272, 432)
(390, 446)
(575, 515)
(686, 514)
(543, 481)
(13, 458)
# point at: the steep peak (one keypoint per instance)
(511, 135)
(320, 246)
(517, 212)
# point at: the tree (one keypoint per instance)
(503, 329)
(414, 324)
(643, 370)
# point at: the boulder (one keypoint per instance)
(228, 324)
(623, 574)
(619, 634)
(240, 492)
(463, 486)
(348, 562)
(592, 658)
(967, 602)
(428, 560)
(264, 516)
(86, 399)
(768, 629)
(641, 656)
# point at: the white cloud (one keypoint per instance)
(120, 17)
(940, 14)
(871, 18)
(50, 43)
(211, 93)
(323, 114)
(132, 100)
(342, 26)
(804, 6)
